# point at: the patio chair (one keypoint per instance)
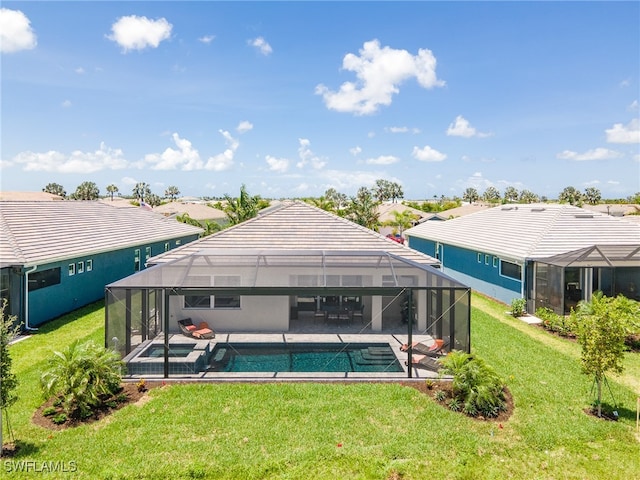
(202, 330)
(434, 350)
(425, 361)
(359, 314)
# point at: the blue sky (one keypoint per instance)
(293, 98)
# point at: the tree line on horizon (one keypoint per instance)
(383, 190)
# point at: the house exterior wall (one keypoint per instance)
(256, 313)
(478, 270)
(84, 286)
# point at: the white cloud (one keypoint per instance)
(382, 160)
(185, 157)
(15, 31)
(80, 71)
(633, 106)
(307, 156)
(355, 151)
(380, 71)
(207, 39)
(244, 126)
(594, 154)
(261, 44)
(104, 158)
(620, 133)
(138, 33)
(223, 161)
(625, 83)
(427, 154)
(66, 103)
(277, 164)
(462, 128)
(402, 130)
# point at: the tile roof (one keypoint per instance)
(35, 232)
(530, 231)
(295, 225)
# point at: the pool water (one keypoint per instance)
(179, 350)
(306, 357)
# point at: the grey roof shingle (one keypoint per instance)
(530, 231)
(296, 225)
(35, 232)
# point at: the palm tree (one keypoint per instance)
(527, 196)
(242, 208)
(86, 191)
(141, 191)
(491, 195)
(470, 195)
(570, 195)
(402, 220)
(592, 196)
(153, 200)
(80, 375)
(172, 192)
(112, 189)
(363, 209)
(510, 195)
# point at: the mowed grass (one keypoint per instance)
(333, 431)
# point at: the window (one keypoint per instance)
(166, 247)
(226, 301)
(72, 269)
(89, 265)
(486, 259)
(495, 262)
(45, 278)
(147, 254)
(178, 242)
(511, 270)
(80, 267)
(136, 260)
(197, 301)
(479, 258)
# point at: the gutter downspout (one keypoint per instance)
(26, 299)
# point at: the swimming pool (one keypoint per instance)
(175, 350)
(304, 357)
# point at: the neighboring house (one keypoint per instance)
(552, 255)
(292, 261)
(197, 211)
(56, 256)
(386, 212)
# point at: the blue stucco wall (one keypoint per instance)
(462, 264)
(77, 290)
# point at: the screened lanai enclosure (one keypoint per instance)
(270, 292)
(561, 281)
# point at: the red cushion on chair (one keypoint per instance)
(191, 328)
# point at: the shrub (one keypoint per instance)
(81, 376)
(477, 388)
(59, 418)
(440, 396)
(47, 412)
(560, 324)
(518, 307)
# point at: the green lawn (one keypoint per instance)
(331, 431)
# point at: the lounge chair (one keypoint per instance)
(200, 331)
(434, 350)
(425, 361)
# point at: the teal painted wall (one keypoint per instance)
(465, 261)
(75, 291)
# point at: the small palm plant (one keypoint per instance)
(477, 388)
(82, 376)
